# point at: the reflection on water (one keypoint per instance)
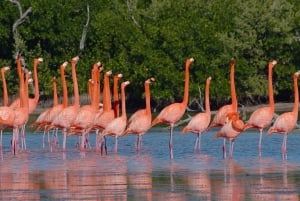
(38, 174)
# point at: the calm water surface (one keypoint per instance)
(39, 174)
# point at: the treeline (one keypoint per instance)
(144, 38)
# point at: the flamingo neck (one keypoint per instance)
(106, 94)
(123, 102)
(207, 104)
(296, 98)
(94, 89)
(186, 84)
(64, 86)
(25, 91)
(36, 81)
(232, 88)
(116, 97)
(147, 97)
(21, 82)
(75, 85)
(5, 93)
(270, 88)
(55, 98)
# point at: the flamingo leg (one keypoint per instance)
(283, 148)
(82, 143)
(65, 139)
(116, 145)
(231, 149)
(1, 132)
(259, 142)
(196, 143)
(23, 137)
(224, 148)
(171, 141)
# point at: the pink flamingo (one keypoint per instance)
(21, 113)
(199, 123)
(65, 118)
(41, 119)
(221, 115)
(287, 121)
(32, 102)
(117, 126)
(172, 113)
(85, 117)
(5, 101)
(140, 122)
(232, 128)
(262, 117)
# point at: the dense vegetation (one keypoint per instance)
(143, 38)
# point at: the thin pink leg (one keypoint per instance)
(224, 148)
(171, 141)
(259, 142)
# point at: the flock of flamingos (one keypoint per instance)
(104, 118)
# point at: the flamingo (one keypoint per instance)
(116, 95)
(5, 100)
(85, 117)
(221, 115)
(117, 126)
(140, 122)
(200, 122)
(103, 118)
(32, 102)
(287, 121)
(40, 121)
(172, 113)
(232, 128)
(65, 118)
(55, 110)
(21, 113)
(262, 117)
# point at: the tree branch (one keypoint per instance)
(85, 28)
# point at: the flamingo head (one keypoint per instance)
(124, 84)
(108, 73)
(64, 64)
(118, 76)
(232, 62)
(189, 61)
(91, 81)
(233, 116)
(4, 69)
(148, 81)
(40, 59)
(75, 59)
(54, 79)
(297, 74)
(272, 63)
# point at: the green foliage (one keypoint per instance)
(143, 38)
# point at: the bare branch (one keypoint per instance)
(85, 28)
(130, 10)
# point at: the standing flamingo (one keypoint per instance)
(85, 117)
(117, 126)
(5, 102)
(65, 118)
(21, 113)
(221, 115)
(32, 102)
(262, 117)
(287, 121)
(41, 119)
(232, 128)
(140, 122)
(172, 113)
(199, 123)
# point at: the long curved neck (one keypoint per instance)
(64, 86)
(296, 98)
(5, 93)
(106, 94)
(207, 104)
(94, 90)
(21, 84)
(36, 81)
(186, 84)
(55, 98)
(147, 97)
(75, 84)
(123, 101)
(116, 97)
(25, 91)
(232, 88)
(270, 88)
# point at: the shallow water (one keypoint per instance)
(39, 174)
